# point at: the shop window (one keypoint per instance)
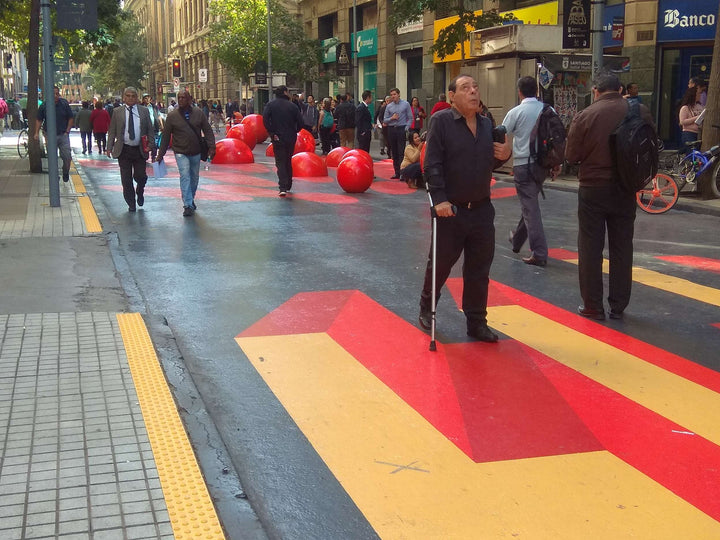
(326, 26)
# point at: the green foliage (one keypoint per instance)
(238, 39)
(452, 36)
(122, 62)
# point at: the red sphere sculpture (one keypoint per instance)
(305, 142)
(422, 157)
(244, 132)
(270, 151)
(354, 174)
(361, 154)
(256, 120)
(232, 152)
(335, 156)
(307, 164)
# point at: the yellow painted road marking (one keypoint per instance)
(674, 397)
(87, 210)
(412, 482)
(664, 282)
(190, 508)
(78, 183)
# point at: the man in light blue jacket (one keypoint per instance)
(529, 176)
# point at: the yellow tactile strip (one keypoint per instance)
(190, 508)
(92, 222)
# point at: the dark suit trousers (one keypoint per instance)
(598, 208)
(364, 139)
(471, 232)
(283, 161)
(132, 166)
(396, 142)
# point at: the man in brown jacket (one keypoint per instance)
(602, 203)
(184, 124)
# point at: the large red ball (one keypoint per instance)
(422, 157)
(305, 142)
(232, 151)
(244, 132)
(335, 156)
(361, 154)
(307, 164)
(270, 151)
(256, 120)
(354, 174)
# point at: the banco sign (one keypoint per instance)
(674, 19)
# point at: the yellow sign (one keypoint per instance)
(546, 13)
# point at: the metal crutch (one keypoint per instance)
(433, 249)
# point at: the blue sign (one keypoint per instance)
(612, 15)
(680, 20)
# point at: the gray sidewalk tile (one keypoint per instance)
(76, 452)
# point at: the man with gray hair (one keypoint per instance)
(602, 202)
(131, 137)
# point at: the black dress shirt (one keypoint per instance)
(458, 165)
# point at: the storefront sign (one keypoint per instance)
(613, 25)
(344, 62)
(413, 26)
(679, 20)
(328, 48)
(576, 24)
(366, 43)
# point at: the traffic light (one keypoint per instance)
(176, 68)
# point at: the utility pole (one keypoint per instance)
(710, 134)
(270, 74)
(49, 101)
(598, 8)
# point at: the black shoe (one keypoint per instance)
(425, 318)
(66, 177)
(194, 206)
(510, 239)
(482, 333)
(615, 314)
(140, 198)
(188, 211)
(84, 152)
(131, 208)
(533, 261)
(597, 314)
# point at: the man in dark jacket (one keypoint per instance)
(602, 203)
(184, 124)
(363, 121)
(345, 114)
(283, 120)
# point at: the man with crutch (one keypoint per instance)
(459, 161)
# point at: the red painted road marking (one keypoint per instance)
(701, 263)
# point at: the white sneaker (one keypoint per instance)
(282, 194)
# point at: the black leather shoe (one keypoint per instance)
(131, 208)
(425, 319)
(482, 333)
(535, 262)
(597, 314)
(188, 211)
(140, 198)
(615, 314)
(510, 239)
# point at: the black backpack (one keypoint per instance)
(634, 149)
(547, 139)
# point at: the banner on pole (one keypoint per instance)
(77, 14)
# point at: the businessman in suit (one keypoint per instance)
(363, 121)
(130, 126)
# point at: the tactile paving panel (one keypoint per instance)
(92, 222)
(190, 508)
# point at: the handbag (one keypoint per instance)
(204, 148)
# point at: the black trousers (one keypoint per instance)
(132, 166)
(471, 232)
(364, 139)
(396, 141)
(601, 208)
(86, 138)
(283, 161)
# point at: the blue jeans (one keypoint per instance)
(189, 168)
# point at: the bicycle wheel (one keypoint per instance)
(685, 171)
(715, 181)
(658, 196)
(22, 144)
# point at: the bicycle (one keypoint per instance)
(695, 164)
(22, 143)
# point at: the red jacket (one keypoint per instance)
(100, 121)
